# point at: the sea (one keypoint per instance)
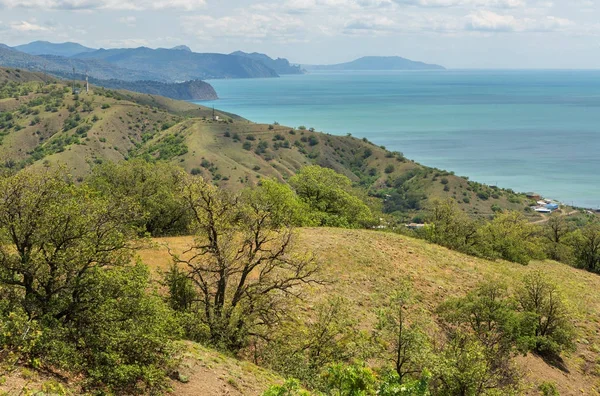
(531, 131)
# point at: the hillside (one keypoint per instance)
(58, 49)
(378, 63)
(177, 65)
(48, 125)
(188, 90)
(365, 266)
(280, 65)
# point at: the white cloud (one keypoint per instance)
(27, 27)
(464, 3)
(487, 21)
(128, 20)
(247, 27)
(103, 4)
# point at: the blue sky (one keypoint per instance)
(454, 33)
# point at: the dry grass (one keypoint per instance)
(365, 266)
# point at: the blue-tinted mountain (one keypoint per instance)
(177, 65)
(182, 48)
(63, 67)
(280, 65)
(58, 49)
(378, 63)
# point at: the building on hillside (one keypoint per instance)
(552, 206)
(532, 195)
(543, 210)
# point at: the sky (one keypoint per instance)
(549, 34)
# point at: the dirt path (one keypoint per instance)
(547, 218)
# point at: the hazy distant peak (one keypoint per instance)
(67, 49)
(182, 48)
(379, 63)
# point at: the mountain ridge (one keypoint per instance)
(378, 63)
(40, 47)
(280, 65)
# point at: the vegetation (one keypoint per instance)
(334, 310)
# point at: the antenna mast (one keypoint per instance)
(73, 80)
(87, 82)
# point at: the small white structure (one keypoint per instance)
(543, 210)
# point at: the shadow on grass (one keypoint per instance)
(554, 360)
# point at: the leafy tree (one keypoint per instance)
(241, 263)
(510, 237)
(404, 343)
(154, 188)
(285, 207)
(329, 195)
(349, 380)
(555, 231)
(451, 227)
(464, 369)
(65, 258)
(52, 235)
(548, 319)
(486, 319)
(586, 247)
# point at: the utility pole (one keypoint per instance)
(73, 85)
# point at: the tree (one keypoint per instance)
(52, 236)
(547, 321)
(464, 369)
(404, 343)
(241, 263)
(65, 256)
(154, 188)
(451, 227)
(328, 194)
(586, 247)
(510, 237)
(486, 319)
(555, 231)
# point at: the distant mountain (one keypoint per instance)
(189, 90)
(280, 65)
(58, 49)
(378, 63)
(178, 65)
(182, 48)
(63, 67)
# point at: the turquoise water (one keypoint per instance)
(527, 130)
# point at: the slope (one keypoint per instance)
(46, 124)
(366, 266)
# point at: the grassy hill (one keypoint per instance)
(44, 123)
(366, 266)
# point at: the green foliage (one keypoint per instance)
(329, 196)
(548, 389)
(166, 148)
(289, 388)
(241, 263)
(349, 380)
(401, 338)
(155, 189)
(451, 227)
(69, 291)
(510, 237)
(585, 244)
(547, 318)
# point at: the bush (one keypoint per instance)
(389, 169)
